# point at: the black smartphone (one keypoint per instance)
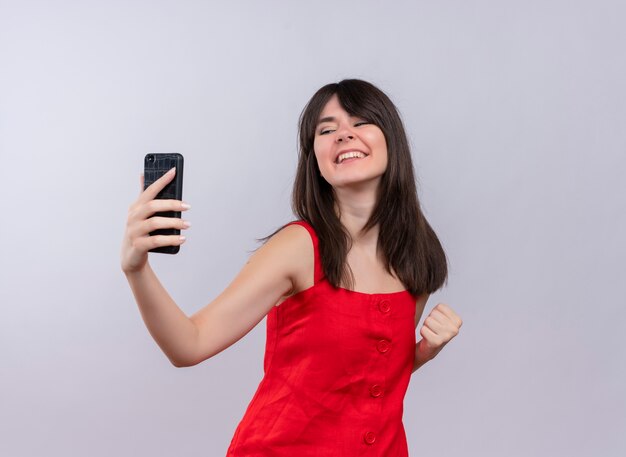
(155, 165)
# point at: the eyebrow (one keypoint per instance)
(326, 119)
(332, 119)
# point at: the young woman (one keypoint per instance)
(343, 288)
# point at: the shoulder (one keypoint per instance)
(292, 246)
(292, 236)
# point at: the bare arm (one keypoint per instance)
(419, 310)
(172, 330)
(266, 277)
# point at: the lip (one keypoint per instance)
(348, 150)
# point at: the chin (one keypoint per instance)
(362, 181)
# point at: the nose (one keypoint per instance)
(344, 135)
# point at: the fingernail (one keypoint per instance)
(185, 205)
(186, 224)
(171, 170)
(182, 238)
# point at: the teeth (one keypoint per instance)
(349, 155)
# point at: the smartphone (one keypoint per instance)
(155, 165)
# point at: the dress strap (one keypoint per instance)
(318, 270)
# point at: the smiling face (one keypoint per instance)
(349, 150)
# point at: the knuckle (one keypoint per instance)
(147, 227)
(152, 223)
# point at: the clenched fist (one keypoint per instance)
(440, 326)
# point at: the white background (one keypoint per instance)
(516, 113)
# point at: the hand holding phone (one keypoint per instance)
(154, 222)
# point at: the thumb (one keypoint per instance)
(141, 180)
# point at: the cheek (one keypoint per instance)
(322, 153)
(376, 140)
(320, 147)
(382, 144)
(374, 136)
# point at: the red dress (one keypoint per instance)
(337, 366)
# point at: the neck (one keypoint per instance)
(355, 206)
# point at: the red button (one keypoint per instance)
(376, 390)
(369, 437)
(384, 306)
(383, 346)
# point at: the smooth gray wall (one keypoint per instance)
(516, 115)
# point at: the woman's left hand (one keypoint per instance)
(440, 326)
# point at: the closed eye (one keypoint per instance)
(358, 124)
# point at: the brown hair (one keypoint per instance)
(409, 244)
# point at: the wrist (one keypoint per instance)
(423, 353)
(136, 271)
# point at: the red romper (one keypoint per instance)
(337, 366)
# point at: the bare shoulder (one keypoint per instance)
(294, 233)
(292, 239)
(293, 244)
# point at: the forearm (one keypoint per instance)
(173, 331)
(421, 357)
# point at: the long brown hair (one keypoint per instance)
(410, 246)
